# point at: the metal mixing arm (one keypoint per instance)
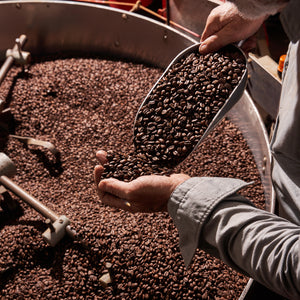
(57, 225)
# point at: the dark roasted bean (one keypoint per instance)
(213, 93)
(93, 106)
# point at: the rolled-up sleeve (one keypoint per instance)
(192, 202)
(209, 214)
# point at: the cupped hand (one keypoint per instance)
(144, 194)
(226, 25)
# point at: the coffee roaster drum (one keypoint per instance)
(64, 27)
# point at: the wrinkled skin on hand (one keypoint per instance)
(144, 194)
(225, 25)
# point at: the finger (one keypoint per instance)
(100, 194)
(228, 34)
(115, 187)
(113, 201)
(249, 44)
(212, 27)
(217, 41)
(98, 171)
(101, 156)
(212, 38)
(216, 20)
(210, 45)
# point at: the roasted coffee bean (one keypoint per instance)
(196, 69)
(124, 168)
(94, 107)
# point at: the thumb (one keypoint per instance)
(212, 44)
(115, 187)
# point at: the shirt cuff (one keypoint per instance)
(192, 202)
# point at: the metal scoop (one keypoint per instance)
(228, 104)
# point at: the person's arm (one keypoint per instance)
(209, 214)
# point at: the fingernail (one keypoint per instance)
(203, 48)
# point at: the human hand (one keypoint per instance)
(144, 194)
(226, 25)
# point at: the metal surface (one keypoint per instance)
(192, 14)
(264, 86)
(7, 168)
(33, 202)
(31, 141)
(233, 98)
(56, 230)
(64, 27)
(246, 116)
(10, 59)
(60, 27)
(57, 27)
(265, 90)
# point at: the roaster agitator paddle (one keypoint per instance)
(58, 225)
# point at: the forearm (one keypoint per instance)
(257, 243)
(209, 214)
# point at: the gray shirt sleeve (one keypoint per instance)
(209, 214)
(191, 203)
(257, 8)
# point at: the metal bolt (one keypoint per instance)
(19, 47)
(105, 280)
(50, 225)
(264, 165)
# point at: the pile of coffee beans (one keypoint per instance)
(82, 105)
(174, 117)
(129, 167)
(180, 107)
